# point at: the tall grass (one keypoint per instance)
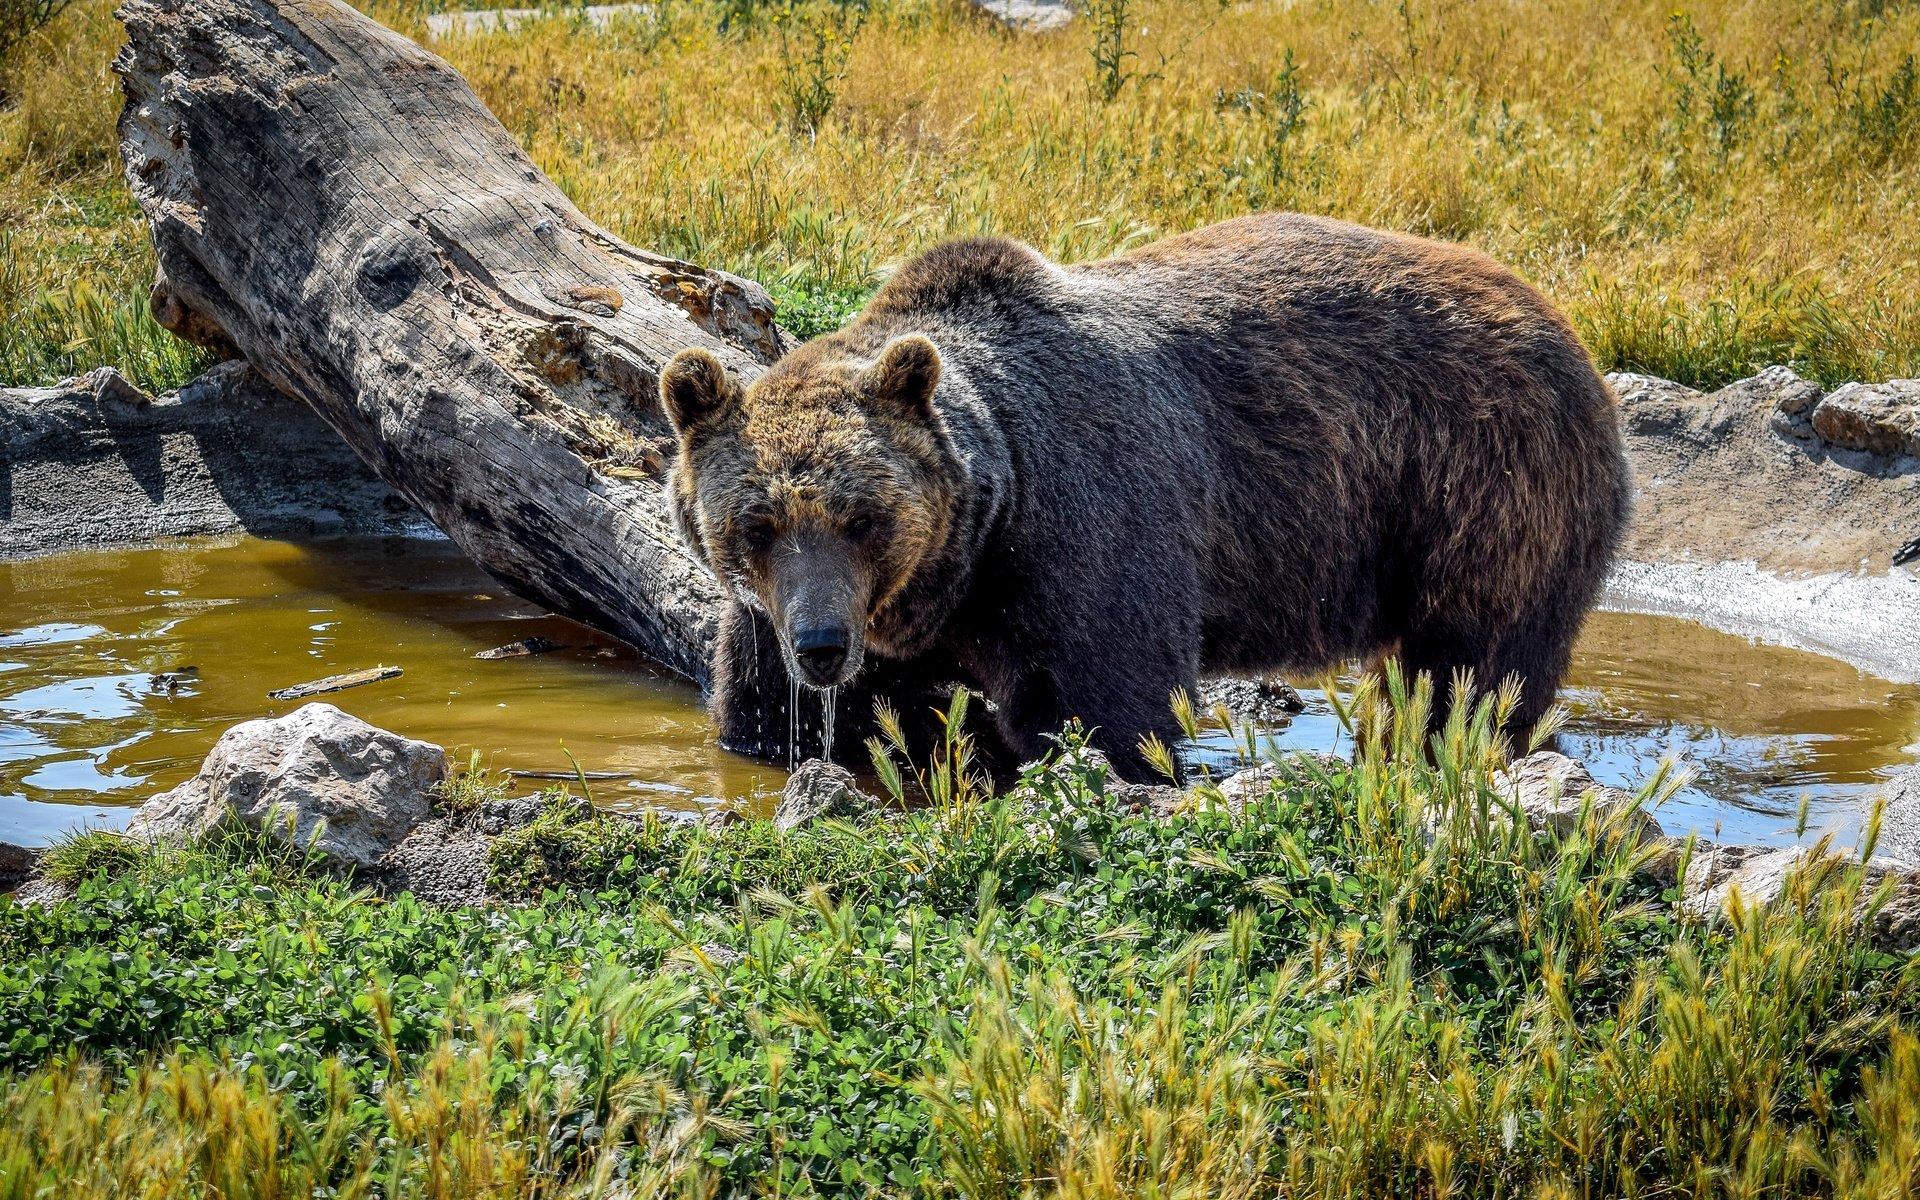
(1374, 981)
(1706, 190)
(75, 263)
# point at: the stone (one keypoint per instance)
(524, 648)
(1711, 864)
(316, 777)
(1758, 881)
(1660, 407)
(1767, 875)
(1551, 789)
(1271, 702)
(1028, 16)
(506, 20)
(505, 813)
(819, 790)
(1158, 800)
(1249, 785)
(110, 385)
(16, 865)
(1793, 401)
(1877, 418)
(1900, 817)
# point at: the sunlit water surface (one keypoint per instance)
(86, 732)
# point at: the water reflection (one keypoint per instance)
(86, 728)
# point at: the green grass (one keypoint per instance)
(90, 854)
(1372, 982)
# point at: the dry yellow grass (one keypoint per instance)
(1706, 192)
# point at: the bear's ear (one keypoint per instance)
(696, 391)
(904, 375)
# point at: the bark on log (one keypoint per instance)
(335, 204)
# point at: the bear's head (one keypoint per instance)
(816, 494)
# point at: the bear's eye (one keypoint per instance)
(758, 535)
(859, 528)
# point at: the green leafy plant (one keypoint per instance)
(816, 40)
(1706, 96)
(1111, 47)
(1375, 979)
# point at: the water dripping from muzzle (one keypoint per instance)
(826, 732)
(793, 722)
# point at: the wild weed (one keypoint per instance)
(1375, 979)
(90, 853)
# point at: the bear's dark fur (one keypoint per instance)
(1268, 445)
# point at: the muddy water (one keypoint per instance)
(85, 731)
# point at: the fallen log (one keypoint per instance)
(333, 203)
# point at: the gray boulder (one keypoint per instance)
(1712, 864)
(316, 777)
(1551, 789)
(1794, 400)
(1763, 879)
(16, 865)
(820, 789)
(1877, 418)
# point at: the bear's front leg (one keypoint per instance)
(1119, 703)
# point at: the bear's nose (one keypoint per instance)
(822, 652)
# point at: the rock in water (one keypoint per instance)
(523, 648)
(16, 865)
(1269, 701)
(316, 777)
(821, 789)
(1550, 788)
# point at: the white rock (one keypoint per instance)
(820, 789)
(505, 20)
(1029, 16)
(317, 776)
(1764, 878)
(1551, 788)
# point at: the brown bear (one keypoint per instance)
(1273, 444)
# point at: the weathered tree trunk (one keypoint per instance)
(335, 204)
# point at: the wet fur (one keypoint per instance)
(1271, 444)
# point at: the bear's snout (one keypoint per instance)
(822, 652)
(817, 594)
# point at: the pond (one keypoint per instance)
(87, 732)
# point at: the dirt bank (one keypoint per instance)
(96, 462)
(1756, 513)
